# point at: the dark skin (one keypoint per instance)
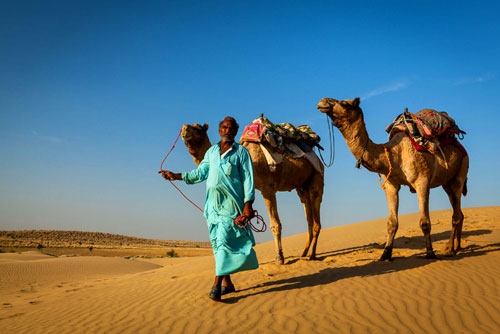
(227, 132)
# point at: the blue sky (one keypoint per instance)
(93, 94)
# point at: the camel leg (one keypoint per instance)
(272, 209)
(454, 191)
(425, 221)
(392, 194)
(306, 202)
(316, 187)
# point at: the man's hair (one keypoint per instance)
(230, 119)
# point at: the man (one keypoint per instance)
(227, 167)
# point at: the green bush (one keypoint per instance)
(172, 253)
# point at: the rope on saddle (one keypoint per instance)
(331, 138)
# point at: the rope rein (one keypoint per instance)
(245, 219)
(175, 142)
(254, 228)
(390, 169)
(331, 137)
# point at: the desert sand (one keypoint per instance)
(346, 291)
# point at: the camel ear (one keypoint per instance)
(205, 127)
(356, 102)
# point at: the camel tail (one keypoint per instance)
(464, 190)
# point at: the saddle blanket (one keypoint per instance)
(428, 129)
(283, 139)
(278, 135)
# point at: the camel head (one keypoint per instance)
(340, 111)
(196, 140)
(193, 133)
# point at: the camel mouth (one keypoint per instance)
(324, 109)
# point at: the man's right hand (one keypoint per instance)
(168, 175)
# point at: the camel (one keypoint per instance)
(290, 174)
(419, 170)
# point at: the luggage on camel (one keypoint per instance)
(283, 139)
(428, 130)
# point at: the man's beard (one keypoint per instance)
(227, 139)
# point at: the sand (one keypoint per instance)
(346, 291)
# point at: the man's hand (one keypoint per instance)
(245, 217)
(248, 210)
(168, 175)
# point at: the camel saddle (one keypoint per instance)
(428, 130)
(284, 139)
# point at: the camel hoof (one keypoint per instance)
(312, 258)
(448, 252)
(430, 255)
(280, 260)
(386, 255)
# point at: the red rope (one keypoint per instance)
(190, 201)
(254, 228)
(175, 142)
(256, 214)
(161, 169)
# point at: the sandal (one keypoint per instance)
(227, 289)
(215, 294)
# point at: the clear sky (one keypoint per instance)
(93, 94)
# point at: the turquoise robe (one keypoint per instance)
(229, 186)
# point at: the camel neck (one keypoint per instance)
(372, 155)
(198, 149)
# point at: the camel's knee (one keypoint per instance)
(425, 225)
(276, 229)
(457, 218)
(392, 225)
(316, 229)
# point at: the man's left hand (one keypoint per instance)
(248, 210)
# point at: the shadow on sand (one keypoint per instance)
(415, 242)
(418, 242)
(330, 275)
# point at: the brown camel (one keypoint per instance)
(290, 174)
(421, 171)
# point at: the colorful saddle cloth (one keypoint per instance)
(427, 129)
(279, 135)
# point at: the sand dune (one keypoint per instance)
(346, 291)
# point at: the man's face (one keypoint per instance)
(227, 131)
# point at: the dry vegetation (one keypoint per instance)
(97, 243)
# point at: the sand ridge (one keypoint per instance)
(346, 291)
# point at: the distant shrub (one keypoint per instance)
(91, 248)
(40, 246)
(172, 253)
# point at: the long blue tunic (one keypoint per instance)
(229, 186)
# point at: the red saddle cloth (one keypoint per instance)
(427, 129)
(253, 132)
